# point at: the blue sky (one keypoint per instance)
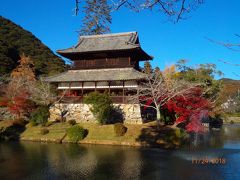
(54, 23)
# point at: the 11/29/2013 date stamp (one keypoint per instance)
(208, 160)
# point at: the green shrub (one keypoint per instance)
(120, 129)
(40, 115)
(101, 106)
(72, 122)
(44, 131)
(76, 133)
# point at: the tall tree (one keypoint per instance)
(17, 92)
(97, 17)
(160, 88)
(174, 9)
(188, 109)
(203, 73)
(25, 69)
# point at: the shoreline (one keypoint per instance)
(137, 135)
(93, 142)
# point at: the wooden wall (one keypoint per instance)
(119, 62)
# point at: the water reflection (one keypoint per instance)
(70, 161)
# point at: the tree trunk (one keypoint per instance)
(158, 117)
(174, 125)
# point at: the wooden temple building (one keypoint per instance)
(104, 63)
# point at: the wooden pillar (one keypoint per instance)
(109, 91)
(129, 61)
(82, 92)
(69, 90)
(95, 89)
(138, 90)
(123, 92)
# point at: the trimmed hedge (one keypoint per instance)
(120, 129)
(44, 131)
(76, 133)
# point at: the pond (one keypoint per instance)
(218, 157)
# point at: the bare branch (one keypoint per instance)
(174, 9)
(77, 2)
(231, 46)
(159, 88)
(226, 62)
(181, 10)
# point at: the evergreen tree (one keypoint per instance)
(97, 17)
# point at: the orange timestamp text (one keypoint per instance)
(207, 160)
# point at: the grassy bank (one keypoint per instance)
(104, 134)
(136, 135)
(97, 134)
(231, 118)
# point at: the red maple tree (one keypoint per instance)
(189, 109)
(16, 93)
(19, 105)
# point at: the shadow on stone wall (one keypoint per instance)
(148, 114)
(117, 115)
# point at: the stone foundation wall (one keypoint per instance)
(131, 113)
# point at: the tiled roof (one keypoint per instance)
(104, 42)
(97, 75)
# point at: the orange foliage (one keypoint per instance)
(24, 69)
(16, 93)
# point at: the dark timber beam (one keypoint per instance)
(123, 93)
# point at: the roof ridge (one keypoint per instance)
(104, 69)
(133, 38)
(109, 35)
(78, 44)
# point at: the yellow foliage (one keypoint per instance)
(170, 75)
(170, 70)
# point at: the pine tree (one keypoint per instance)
(97, 17)
(147, 67)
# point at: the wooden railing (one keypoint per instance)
(79, 99)
(71, 99)
(121, 99)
